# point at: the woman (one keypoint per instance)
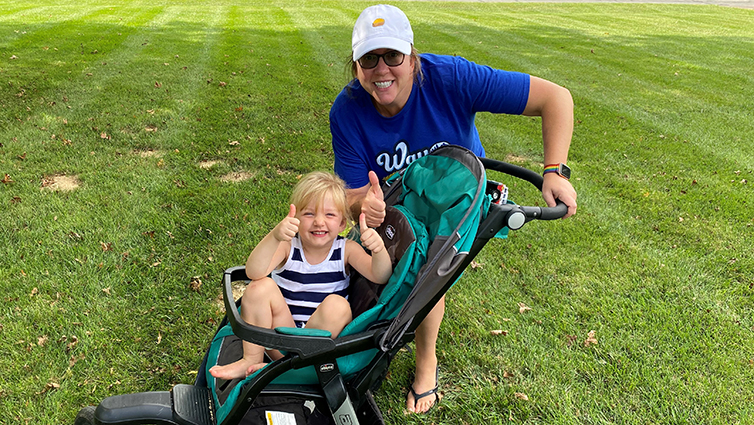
(402, 105)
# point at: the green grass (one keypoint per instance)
(134, 99)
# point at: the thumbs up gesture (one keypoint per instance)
(288, 227)
(370, 239)
(373, 204)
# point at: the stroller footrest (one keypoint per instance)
(193, 405)
(136, 408)
(185, 405)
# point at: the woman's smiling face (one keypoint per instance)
(389, 86)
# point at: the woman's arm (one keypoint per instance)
(555, 105)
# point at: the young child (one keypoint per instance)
(310, 264)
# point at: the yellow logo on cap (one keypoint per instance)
(378, 22)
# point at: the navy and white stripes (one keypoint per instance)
(305, 286)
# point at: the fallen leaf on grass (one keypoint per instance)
(74, 340)
(475, 265)
(196, 283)
(571, 339)
(523, 308)
(75, 360)
(50, 386)
(42, 340)
(106, 290)
(499, 332)
(522, 396)
(7, 179)
(590, 339)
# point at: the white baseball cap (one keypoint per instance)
(381, 27)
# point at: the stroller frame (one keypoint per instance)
(349, 402)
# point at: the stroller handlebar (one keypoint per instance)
(539, 213)
(513, 170)
(546, 213)
(515, 216)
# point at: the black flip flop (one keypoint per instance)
(428, 393)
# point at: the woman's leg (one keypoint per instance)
(426, 360)
(262, 305)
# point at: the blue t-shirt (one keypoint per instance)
(440, 110)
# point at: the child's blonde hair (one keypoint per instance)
(315, 186)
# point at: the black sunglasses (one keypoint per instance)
(391, 58)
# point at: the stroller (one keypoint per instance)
(441, 212)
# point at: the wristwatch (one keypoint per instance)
(561, 169)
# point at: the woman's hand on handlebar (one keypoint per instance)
(556, 187)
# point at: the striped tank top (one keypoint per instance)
(305, 286)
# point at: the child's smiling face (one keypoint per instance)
(320, 224)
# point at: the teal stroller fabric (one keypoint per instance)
(433, 192)
(446, 192)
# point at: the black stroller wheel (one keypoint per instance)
(85, 416)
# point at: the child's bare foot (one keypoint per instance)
(255, 367)
(238, 369)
